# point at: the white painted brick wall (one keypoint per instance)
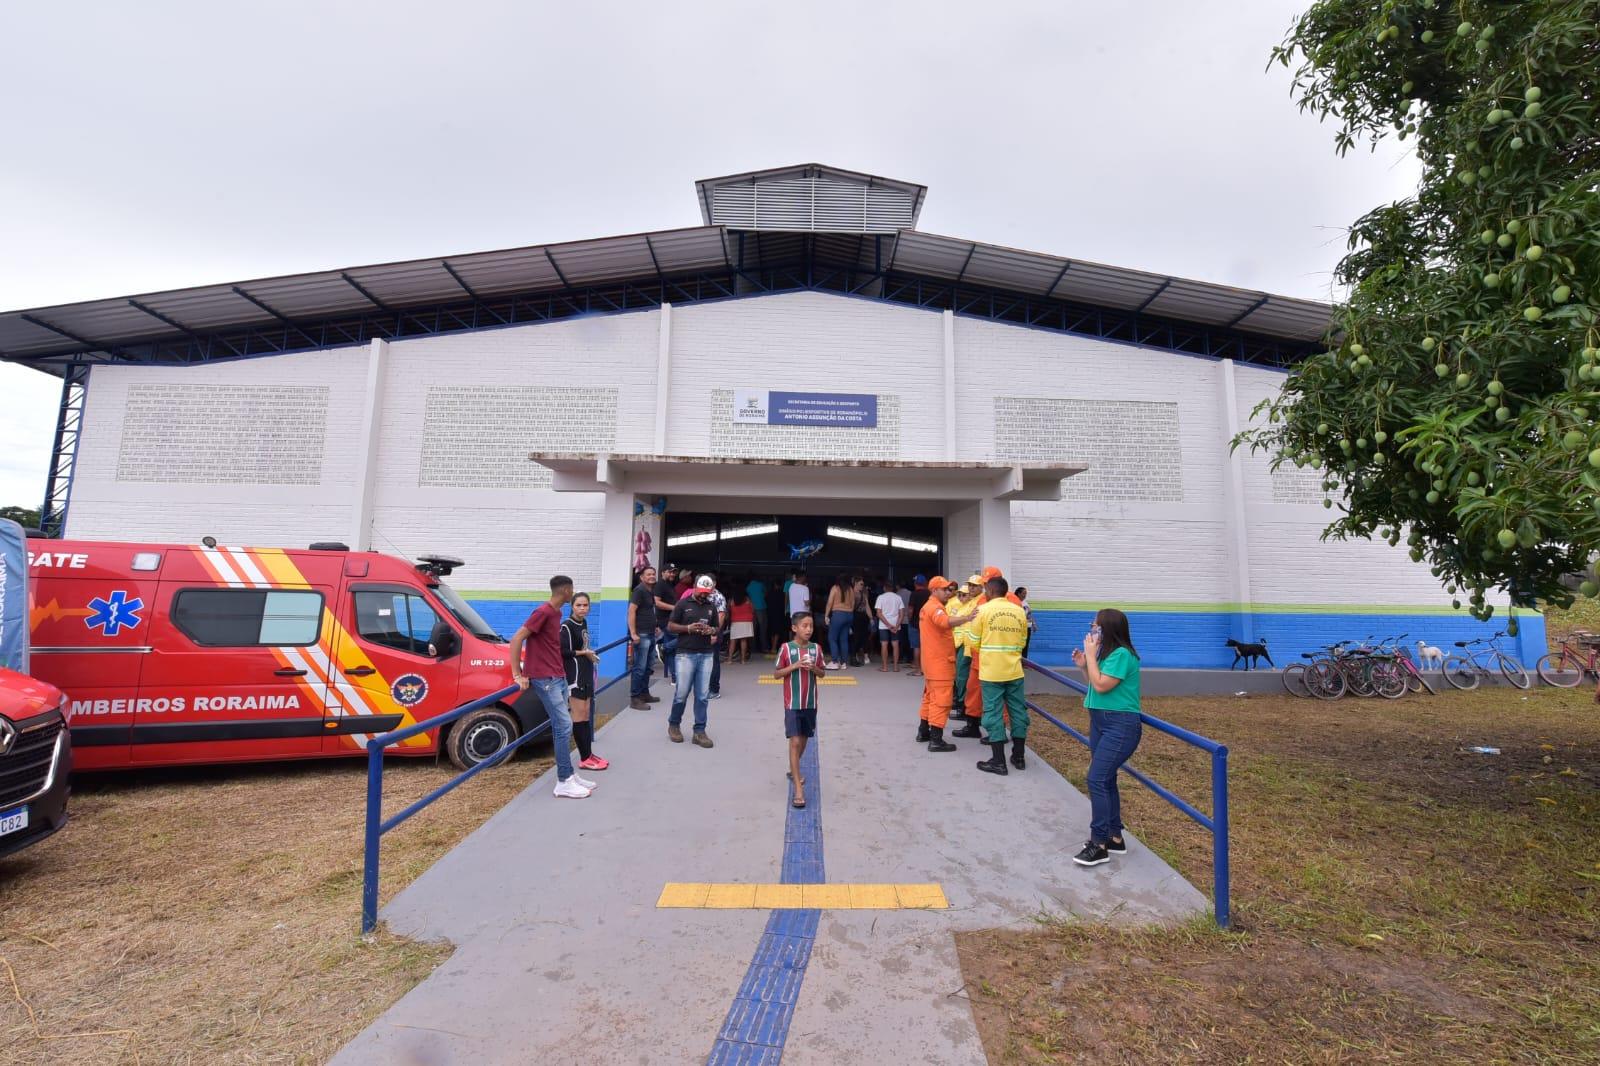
(1289, 563)
(807, 342)
(514, 535)
(105, 507)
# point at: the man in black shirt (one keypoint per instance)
(666, 600)
(695, 622)
(642, 638)
(919, 600)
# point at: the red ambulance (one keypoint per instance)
(204, 654)
(35, 761)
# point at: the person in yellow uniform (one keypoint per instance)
(968, 694)
(1001, 629)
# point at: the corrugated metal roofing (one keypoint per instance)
(107, 325)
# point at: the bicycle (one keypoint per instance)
(1367, 670)
(1466, 670)
(1568, 667)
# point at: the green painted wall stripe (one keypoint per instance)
(1255, 608)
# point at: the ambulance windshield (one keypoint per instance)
(465, 614)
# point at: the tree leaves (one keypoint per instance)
(1469, 338)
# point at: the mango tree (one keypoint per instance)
(1458, 403)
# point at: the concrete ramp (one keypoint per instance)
(562, 950)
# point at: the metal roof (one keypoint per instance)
(48, 336)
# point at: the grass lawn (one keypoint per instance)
(1394, 897)
(211, 915)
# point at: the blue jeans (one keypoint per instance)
(839, 624)
(642, 666)
(694, 675)
(1113, 737)
(553, 694)
(669, 657)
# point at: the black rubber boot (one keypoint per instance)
(937, 742)
(922, 731)
(968, 730)
(996, 763)
(1016, 754)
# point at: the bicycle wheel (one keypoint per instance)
(1387, 680)
(1325, 680)
(1294, 680)
(1459, 671)
(1559, 670)
(1514, 671)
(1359, 677)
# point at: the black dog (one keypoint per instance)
(1250, 653)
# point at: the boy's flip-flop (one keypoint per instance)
(798, 805)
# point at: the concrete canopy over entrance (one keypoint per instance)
(976, 494)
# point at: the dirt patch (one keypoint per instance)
(211, 915)
(1394, 897)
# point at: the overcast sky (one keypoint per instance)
(164, 144)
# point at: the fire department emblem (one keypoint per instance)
(410, 690)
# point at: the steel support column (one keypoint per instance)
(64, 455)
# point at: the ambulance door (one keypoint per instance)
(234, 676)
(91, 630)
(401, 656)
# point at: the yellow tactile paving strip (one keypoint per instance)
(766, 897)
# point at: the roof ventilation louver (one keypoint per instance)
(812, 205)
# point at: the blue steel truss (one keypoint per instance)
(287, 335)
(64, 456)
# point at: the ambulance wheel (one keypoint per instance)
(479, 735)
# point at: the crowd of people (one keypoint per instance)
(966, 640)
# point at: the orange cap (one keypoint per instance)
(991, 571)
(939, 583)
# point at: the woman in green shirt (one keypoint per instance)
(1111, 666)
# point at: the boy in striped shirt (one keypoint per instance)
(800, 667)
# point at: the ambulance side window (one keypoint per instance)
(395, 620)
(248, 618)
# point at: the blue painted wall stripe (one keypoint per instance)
(758, 1022)
(1182, 639)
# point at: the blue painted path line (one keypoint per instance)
(758, 1022)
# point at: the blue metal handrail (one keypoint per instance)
(1216, 822)
(377, 824)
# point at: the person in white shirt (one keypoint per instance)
(799, 595)
(890, 609)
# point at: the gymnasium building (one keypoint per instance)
(805, 372)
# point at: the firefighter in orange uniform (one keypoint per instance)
(936, 630)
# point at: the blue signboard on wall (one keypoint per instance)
(837, 410)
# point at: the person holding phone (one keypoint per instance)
(580, 660)
(1111, 667)
(695, 621)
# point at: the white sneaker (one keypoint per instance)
(571, 789)
(583, 781)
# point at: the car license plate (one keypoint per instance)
(13, 821)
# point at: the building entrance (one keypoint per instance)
(738, 547)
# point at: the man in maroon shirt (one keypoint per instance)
(536, 663)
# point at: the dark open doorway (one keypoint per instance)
(765, 546)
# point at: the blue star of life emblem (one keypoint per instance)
(115, 613)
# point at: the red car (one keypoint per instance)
(35, 761)
(204, 654)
